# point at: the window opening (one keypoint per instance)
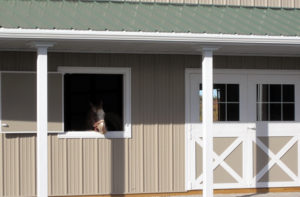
(93, 102)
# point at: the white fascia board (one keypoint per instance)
(44, 34)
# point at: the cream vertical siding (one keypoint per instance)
(151, 161)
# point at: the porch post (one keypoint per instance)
(207, 121)
(42, 118)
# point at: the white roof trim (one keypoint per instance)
(39, 34)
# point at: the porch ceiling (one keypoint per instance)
(152, 47)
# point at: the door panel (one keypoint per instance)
(55, 102)
(226, 149)
(248, 153)
(18, 102)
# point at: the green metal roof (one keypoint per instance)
(147, 17)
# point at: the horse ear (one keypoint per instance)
(92, 107)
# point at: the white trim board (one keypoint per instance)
(126, 72)
(12, 33)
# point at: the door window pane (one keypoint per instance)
(219, 92)
(288, 93)
(275, 111)
(262, 111)
(262, 93)
(275, 93)
(288, 112)
(225, 102)
(275, 102)
(233, 93)
(233, 112)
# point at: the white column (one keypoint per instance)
(42, 119)
(207, 121)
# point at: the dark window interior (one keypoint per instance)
(83, 91)
(226, 102)
(275, 102)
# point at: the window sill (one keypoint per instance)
(92, 134)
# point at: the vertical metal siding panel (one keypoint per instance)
(74, 166)
(247, 2)
(150, 125)
(119, 147)
(164, 124)
(49, 166)
(274, 3)
(147, 0)
(178, 115)
(233, 2)
(135, 144)
(90, 167)
(54, 60)
(176, 1)
(191, 1)
(205, 1)
(234, 62)
(27, 166)
(1, 165)
(162, 1)
(118, 166)
(297, 3)
(58, 166)
(219, 2)
(11, 166)
(261, 3)
(104, 167)
(288, 3)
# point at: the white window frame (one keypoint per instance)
(126, 72)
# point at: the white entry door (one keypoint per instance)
(243, 117)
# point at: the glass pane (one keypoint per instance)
(275, 111)
(233, 112)
(232, 93)
(262, 93)
(288, 111)
(200, 93)
(262, 112)
(275, 93)
(219, 111)
(288, 93)
(219, 92)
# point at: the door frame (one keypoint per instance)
(188, 127)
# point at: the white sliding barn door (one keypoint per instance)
(243, 156)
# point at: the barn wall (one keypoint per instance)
(151, 161)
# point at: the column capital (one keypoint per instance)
(44, 45)
(207, 48)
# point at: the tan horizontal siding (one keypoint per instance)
(152, 161)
